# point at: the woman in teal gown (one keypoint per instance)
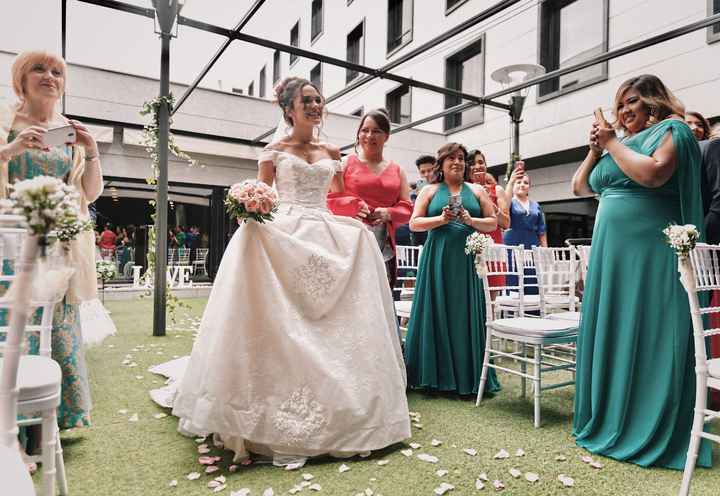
(446, 334)
(635, 382)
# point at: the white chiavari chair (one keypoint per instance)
(536, 333)
(199, 262)
(30, 384)
(407, 263)
(700, 275)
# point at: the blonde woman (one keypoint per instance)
(38, 80)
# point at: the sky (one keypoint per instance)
(123, 42)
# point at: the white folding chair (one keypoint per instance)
(407, 259)
(199, 262)
(183, 256)
(172, 256)
(513, 299)
(700, 273)
(29, 384)
(536, 333)
(556, 271)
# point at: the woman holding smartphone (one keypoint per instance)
(446, 334)
(39, 81)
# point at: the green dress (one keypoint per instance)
(635, 381)
(446, 334)
(66, 342)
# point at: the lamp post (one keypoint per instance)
(166, 13)
(508, 76)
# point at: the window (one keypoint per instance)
(276, 66)
(294, 40)
(465, 71)
(261, 83)
(572, 31)
(713, 32)
(355, 49)
(398, 103)
(237, 91)
(358, 112)
(316, 76)
(451, 5)
(251, 88)
(400, 23)
(316, 19)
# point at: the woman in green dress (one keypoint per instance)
(635, 383)
(39, 81)
(446, 334)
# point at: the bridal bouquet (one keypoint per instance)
(477, 244)
(251, 199)
(682, 239)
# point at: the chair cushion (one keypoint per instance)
(403, 308)
(569, 316)
(528, 326)
(38, 377)
(513, 300)
(714, 368)
(407, 294)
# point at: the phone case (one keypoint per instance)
(455, 204)
(59, 136)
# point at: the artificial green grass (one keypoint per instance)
(119, 457)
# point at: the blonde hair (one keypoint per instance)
(23, 64)
(659, 100)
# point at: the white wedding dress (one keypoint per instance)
(298, 352)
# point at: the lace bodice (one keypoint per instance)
(299, 182)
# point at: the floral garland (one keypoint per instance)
(151, 141)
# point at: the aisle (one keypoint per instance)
(133, 448)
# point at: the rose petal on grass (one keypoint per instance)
(365, 454)
(418, 426)
(213, 484)
(443, 488)
(498, 485)
(268, 492)
(343, 468)
(138, 377)
(470, 451)
(368, 492)
(173, 483)
(501, 455)
(515, 472)
(160, 416)
(428, 458)
(305, 483)
(221, 487)
(407, 452)
(596, 464)
(560, 458)
(241, 492)
(246, 462)
(203, 449)
(193, 476)
(479, 484)
(294, 466)
(566, 481)
(221, 479)
(206, 460)
(532, 477)
(586, 459)
(483, 477)
(232, 468)
(520, 452)
(315, 487)
(415, 446)
(383, 462)
(436, 442)
(123, 411)
(295, 489)
(200, 440)
(307, 476)
(441, 473)
(211, 469)
(134, 418)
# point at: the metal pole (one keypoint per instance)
(63, 39)
(161, 207)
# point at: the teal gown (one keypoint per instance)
(66, 337)
(635, 382)
(446, 334)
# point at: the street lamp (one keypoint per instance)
(166, 14)
(511, 75)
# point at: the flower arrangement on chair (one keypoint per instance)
(105, 270)
(682, 239)
(476, 244)
(251, 199)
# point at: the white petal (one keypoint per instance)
(173, 483)
(193, 476)
(305, 484)
(268, 492)
(407, 452)
(241, 492)
(203, 449)
(295, 489)
(436, 442)
(596, 464)
(479, 484)
(221, 487)
(383, 462)
(369, 492)
(418, 426)
(586, 459)
(532, 477)
(221, 479)
(315, 487)
(443, 488)
(498, 485)
(566, 481)
(441, 473)
(122, 412)
(560, 458)
(133, 418)
(520, 452)
(428, 458)
(483, 476)
(515, 472)
(294, 466)
(160, 415)
(470, 451)
(211, 469)
(307, 476)
(415, 445)
(343, 468)
(502, 454)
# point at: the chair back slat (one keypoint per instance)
(556, 270)
(503, 260)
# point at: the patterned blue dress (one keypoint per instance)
(74, 410)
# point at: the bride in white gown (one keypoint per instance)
(298, 353)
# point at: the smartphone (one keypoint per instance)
(600, 117)
(59, 136)
(455, 204)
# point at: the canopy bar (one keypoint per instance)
(246, 18)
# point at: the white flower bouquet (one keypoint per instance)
(682, 239)
(69, 227)
(251, 199)
(105, 270)
(46, 203)
(476, 244)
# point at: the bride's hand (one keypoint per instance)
(380, 215)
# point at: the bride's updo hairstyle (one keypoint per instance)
(286, 91)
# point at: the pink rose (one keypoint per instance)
(252, 205)
(265, 206)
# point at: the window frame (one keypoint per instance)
(294, 58)
(389, 52)
(317, 35)
(483, 45)
(251, 88)
(712, 37)
(543, 49)
(393, 93)
(262, 85)
(362, 51)
(277, 67)
(319, 64)
(450, 10)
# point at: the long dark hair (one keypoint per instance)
(381, 118)
(444, 152)
(704, 124)
(659, 100)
